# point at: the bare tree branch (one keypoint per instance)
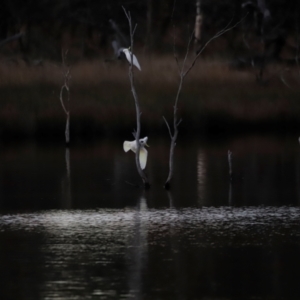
(187, 50)
(283, 79)
(174, 38)
(218, 34)
(65, 86)
(11, 38)
(182, 75)
(136, 101)
(168, 126)
(135, 26)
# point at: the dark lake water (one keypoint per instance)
(74, 225)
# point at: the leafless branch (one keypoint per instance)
(182, 74)
(283, 79)
(218, 34)
(11, 38)
(187, 50)
(135, 26)
(179, 122)
(65, 86)
(61, 98)
(136, 101)
(174, 39)
(132, 184)
(168, 126)
(298, 47)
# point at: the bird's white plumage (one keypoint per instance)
(135, 62)
(143, 158)
(127, 145)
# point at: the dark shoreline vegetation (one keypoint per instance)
(215, 100)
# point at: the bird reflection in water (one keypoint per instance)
(137, 252)
(66, 195)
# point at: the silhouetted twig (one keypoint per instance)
(183, 72)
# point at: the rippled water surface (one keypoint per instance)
(73, 224)
(150, 254)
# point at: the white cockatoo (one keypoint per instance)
(143, 152)
(127, 53)
(118, 42)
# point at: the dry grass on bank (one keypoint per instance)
(101, 100)
(155, 70)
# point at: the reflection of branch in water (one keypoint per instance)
(138, 248)
(132, 184)
(201, 177)
(298, 176)
(229, 154)
(230, 193)
(66, 183)
(142, 205)
(171, 202)
(68, 165)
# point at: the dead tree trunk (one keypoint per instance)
(198, 24)
(183, 72)
(137, 105)
(149, 36)
(67, 77)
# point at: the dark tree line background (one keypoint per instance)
(37, 30)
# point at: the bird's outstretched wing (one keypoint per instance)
(127, 146)
(143, 158)
(116, 47)
(143, 152)
(118, 50)
(118, 33)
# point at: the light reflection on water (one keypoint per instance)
(73, 226)
(70, 223)
(145, 253)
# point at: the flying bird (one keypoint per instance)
(143, 152)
